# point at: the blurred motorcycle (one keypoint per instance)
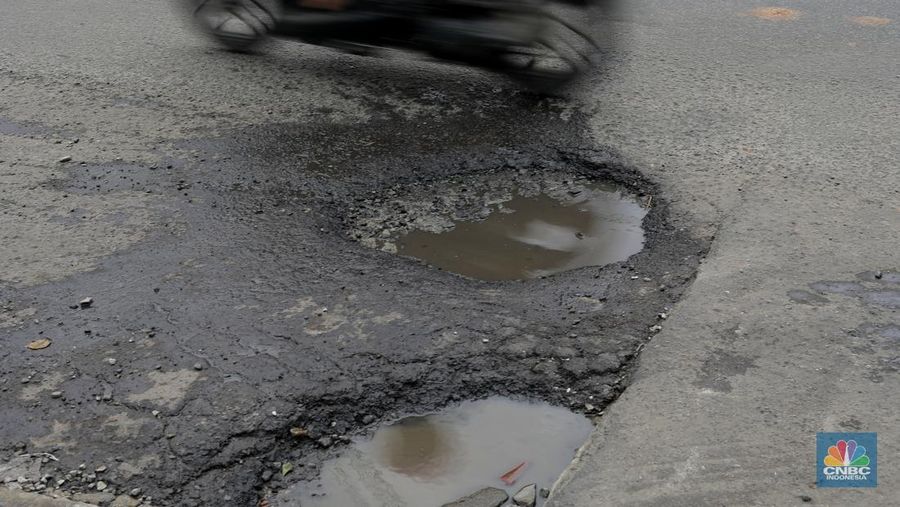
(536, 42)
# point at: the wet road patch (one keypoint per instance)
(438, 458)
(528, 237)
(505, 225)
(878, 288)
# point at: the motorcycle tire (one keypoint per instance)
(562, 52)
(237, 25)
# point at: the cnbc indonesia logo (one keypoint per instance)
(846, 463)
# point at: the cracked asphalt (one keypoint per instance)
(207, 209)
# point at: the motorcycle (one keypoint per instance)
(527, 40)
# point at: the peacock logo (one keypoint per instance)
(846, 453)
(847, 459)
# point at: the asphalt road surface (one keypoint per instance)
(205, 211)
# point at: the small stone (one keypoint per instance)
(298, 432)
(198, 366)
(663, 316)
(266, 475)
(65, 159)
(136, 492)
(487, 497)
(155, 413)
(101, 485)
(39, 344)
(86, 302)
(111, 360)
(545, 493)
(879, 275)
(324, 442)
(368, 419)
(657, 328)
(56, 394)
(527, 496)
(100, 469)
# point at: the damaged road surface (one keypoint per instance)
(250, 333)
(213, 286)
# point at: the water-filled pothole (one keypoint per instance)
(432, 460)
(528, 237)
(510, 228)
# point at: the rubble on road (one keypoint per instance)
(526, 497)
(487, 497)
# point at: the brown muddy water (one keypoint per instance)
(430, 460)
(535, 236)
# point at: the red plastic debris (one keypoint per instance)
(510, 477)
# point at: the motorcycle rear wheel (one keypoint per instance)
(238, 25)
(558, 56)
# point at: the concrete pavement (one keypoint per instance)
(785, 134)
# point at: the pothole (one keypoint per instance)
(505, 226)
(439, 458)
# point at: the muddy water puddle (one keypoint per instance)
(431, 460)
(533, 236)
